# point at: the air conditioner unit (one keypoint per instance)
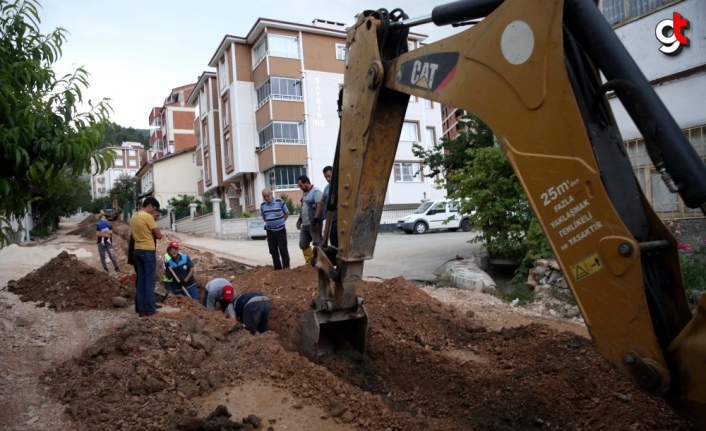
(257, 149)
(101, 179)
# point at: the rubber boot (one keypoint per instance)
(308, 255)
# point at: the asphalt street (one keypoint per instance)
(416, 257)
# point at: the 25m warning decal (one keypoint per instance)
(429, 72)
(589, 266)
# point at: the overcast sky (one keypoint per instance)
(137, 51)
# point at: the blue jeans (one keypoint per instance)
(175, 288)
(146, 269)
(256, 316)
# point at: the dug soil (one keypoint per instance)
(429, 365)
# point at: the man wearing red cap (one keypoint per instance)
(178, 272)
(219, 290)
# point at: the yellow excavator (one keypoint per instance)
(531, 69)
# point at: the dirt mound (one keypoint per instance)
(87, 228)
(427, 366)
(92, 219)
(67, 284)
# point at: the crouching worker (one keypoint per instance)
(179, 272)
(219, 290)
(252, 309)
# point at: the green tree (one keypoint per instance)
(98, 204)
(450, 155)
(68, 195)
(117, 134)
(181, 205)
(125, 189)
(44, 132)
(477, 172)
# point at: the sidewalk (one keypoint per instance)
(249, 252)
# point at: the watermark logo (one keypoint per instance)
(671, 33)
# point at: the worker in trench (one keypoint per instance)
(178, 272)
(251, 309)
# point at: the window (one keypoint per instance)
(259, 52)
(276, 46)
(204, 140)
(281, 132)
(279, 88)
(157, 121)
(132, 153)
(616, 11)
(407, 173)
(119, 162)
(226, 113)
(340, 51)
(207, 167)
(410, 46)
(410, 132)
(227, 151)
(428, 104)
(222, 73)
(284, 177)
(662, 199)
(133, 172)
(132, 163)
(248, 193)
(202, 102)
(430, 137)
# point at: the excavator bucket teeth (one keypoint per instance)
(323, 332)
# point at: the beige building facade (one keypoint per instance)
(269, 114)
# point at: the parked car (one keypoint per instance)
(438, 214)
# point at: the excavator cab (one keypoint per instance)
(539, 74)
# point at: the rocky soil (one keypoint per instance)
(436, 359)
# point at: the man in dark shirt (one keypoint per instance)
(253, 310)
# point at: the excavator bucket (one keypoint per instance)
(323, 332)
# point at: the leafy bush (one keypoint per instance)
(245, 214)
(692, 259)
(181, 206)
(478, 174)
(290, 205)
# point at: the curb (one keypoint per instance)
(465, 274)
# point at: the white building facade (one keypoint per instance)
(679, 78)
(128, 159)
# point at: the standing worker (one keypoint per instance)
(333, 235)
(219, 290)
(104, 235)
(313, 213)
(145, 232)
(275, 213)
(179, 272)
(252, 309)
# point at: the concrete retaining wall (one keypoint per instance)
(202, 226)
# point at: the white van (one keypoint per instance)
(438, 214)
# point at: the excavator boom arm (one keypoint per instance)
(529, 69)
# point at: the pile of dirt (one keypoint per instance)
(92, 219)
(427, 366)
(67, 284)
(87, 228)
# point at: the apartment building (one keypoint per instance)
(169, 176)
(128, 159)
(450, 117)
(678, 74)
(171, 125)
(269, 114)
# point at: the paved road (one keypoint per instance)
(415, 257)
